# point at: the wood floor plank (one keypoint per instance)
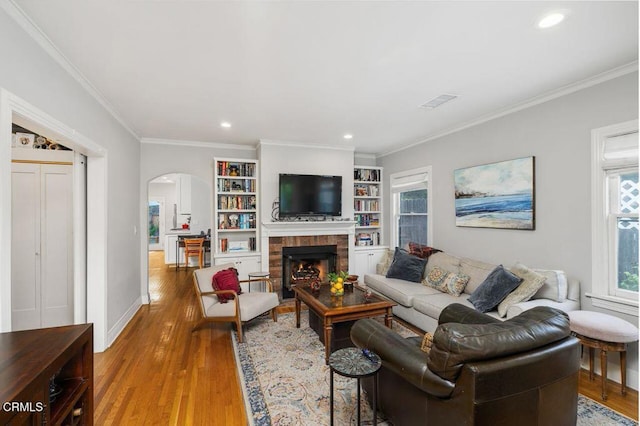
(158, 372)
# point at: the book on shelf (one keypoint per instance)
(366, 175)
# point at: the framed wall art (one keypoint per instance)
(496, 195)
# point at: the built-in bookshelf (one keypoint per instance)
(367, 205)
(235, 206)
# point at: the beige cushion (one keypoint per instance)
(603, 327)
(531, 282)
(383, 267)
(477, 272)
(443, 260)
(554, 287)
(400, 291)
(251, 305)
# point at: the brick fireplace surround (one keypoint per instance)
(275, 236)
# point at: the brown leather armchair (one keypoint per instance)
(480, 370)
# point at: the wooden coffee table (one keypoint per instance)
(331, 309)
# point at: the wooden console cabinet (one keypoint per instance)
(46, 376)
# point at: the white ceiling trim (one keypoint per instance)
(198, 144)
(536, 100)
(47, 45)
(303, 145)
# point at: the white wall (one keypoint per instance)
(32, 75)
(558, 134)
(160, 157)
(281, 157)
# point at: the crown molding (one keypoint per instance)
(270, 142)
(197, 144)
(27, 24)
(364, 156)
(536, 100)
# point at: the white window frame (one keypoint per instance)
(420, 178)
(604, 292)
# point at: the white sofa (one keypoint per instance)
(421, 305)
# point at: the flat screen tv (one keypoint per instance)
(310, 195)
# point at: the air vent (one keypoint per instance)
(436, 102)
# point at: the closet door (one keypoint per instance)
(25, 248)
(42, 246)
(56, 241)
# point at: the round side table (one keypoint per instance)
(352, 362)
(255, 276)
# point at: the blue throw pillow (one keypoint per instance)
(498, 284)
(406, 267)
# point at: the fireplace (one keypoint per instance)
(301, 265)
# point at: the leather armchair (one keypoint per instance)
(480, 370)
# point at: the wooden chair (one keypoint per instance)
(194, 247)
(243, 307)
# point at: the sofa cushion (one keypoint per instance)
(477, 271)
(445, 281)
(432, 305)
(406, 267)
(444, 261)
(383, 267)
(455, 344)
(531, 282)
(422, 251)
(400, 291)
(554, 287)
(494, 289)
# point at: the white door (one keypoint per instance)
(26, 298)
(56, 244)
(42, 246)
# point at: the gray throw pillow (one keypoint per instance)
(406, 267)
(498, 284)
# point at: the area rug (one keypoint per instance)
(286, 382)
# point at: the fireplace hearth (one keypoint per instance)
(304, 264)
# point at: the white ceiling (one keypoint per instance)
(311, 71)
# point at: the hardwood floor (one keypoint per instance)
(158, 372)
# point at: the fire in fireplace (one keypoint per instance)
(302, 265)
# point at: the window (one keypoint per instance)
(616, 200)
(411, 207)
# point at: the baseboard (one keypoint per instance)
(115, 331)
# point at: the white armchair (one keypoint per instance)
(242, 308)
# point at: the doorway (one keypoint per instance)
(156, 215)
(42, 223)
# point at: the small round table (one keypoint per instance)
(596, 330)
(351, 362)
(255, 276)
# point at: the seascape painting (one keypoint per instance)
(496, 195)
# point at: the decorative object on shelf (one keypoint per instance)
(496, 195)
(233, 221)
(40, 143)
(25, 140)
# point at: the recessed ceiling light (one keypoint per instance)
(225, 124)
(348, 136)
(550, 20)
